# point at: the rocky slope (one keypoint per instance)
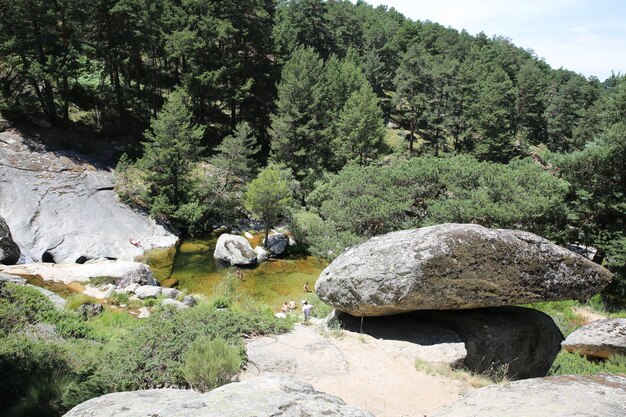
(260, 397)
(62, 208)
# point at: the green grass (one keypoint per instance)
(444, 371)
(112, 324)
(76, 300)
(573, 364)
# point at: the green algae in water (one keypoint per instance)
(272, 282)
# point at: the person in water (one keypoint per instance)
(306, 287)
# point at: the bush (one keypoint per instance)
(210, 363)
(21, 305)
(76, 300)
(221, 302)
(573, 364)
(119, 298)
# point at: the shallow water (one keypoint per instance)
(272, 282)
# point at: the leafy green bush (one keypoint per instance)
(573, 364)
(221, 302)
(210, 363)
(21, 305)
(152, 354)
(119, 298)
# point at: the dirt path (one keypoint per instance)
(373, 374)
(587, 315)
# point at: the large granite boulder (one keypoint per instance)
(9, 251)
(259, 397)
(234, 250)
(62, 208)
(121, 273)
(559, 396)
(600, 339)
(277, 244)
(455, 266)
(511, 342)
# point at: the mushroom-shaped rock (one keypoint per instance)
(260, 397)
(234, 250)
(9, 251)
(559, 396)
(600, 339)
(455, 266)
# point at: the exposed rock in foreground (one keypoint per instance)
(560, 396)
(61, 208)
(259, 397)
(600, 339)
(123, 273)
(234, 250)
(455, 266)
(9, 251)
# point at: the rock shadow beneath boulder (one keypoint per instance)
(501, 342)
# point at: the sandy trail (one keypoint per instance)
(588, 315)
(373, 374)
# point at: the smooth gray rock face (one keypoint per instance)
(277, 244)
(559, 396)
(123, 273)
(170, 292)
(190, 301)
(258, 397)
(61, 208)
(90, 310)
(147, 291)
(514, 342)
(234, 250)
(455, 266)
(261, 254)
(9, 251)
(600, 339)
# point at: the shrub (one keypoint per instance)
(574, 364)
(221, 302)
(119, 298)
(76, 300)
(21, 305)
(210, 363)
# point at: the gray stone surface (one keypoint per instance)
(601, 339)
(234, 250)
(277, 244)
(261, 254)
(9, 251)
(455, 266)
(515, 342)
(258, 397)
(190, 301)
(123, 273)
(60, 205)
(148, 291)
(560, 396)
(170, 292)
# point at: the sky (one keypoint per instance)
(585, 36)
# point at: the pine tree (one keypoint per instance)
(297, 139)
(172, 146)
(235, 155)
(360, 128)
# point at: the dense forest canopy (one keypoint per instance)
(340, 98)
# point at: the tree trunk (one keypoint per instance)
(599, 256)
(411, 139)
(267, 233)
